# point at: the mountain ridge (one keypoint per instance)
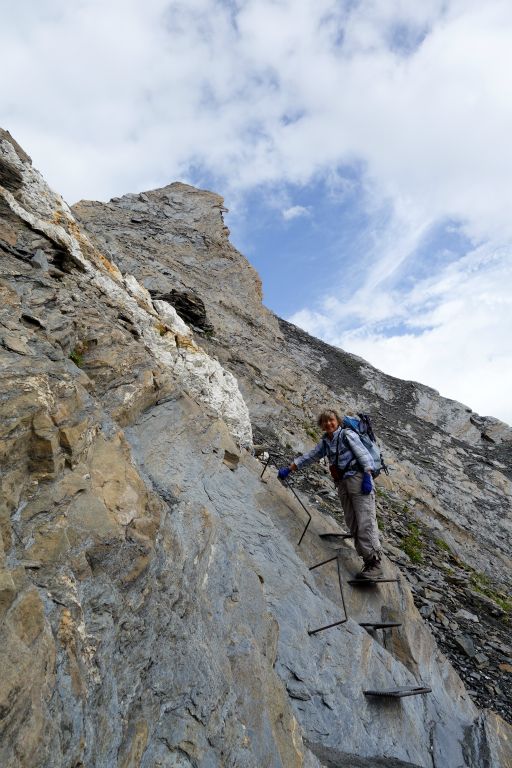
(154, 602)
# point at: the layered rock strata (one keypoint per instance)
(453, 465)
(154, 604)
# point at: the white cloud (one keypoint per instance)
(260, 91)
(295, 212)
(456, 331)
(122, 96)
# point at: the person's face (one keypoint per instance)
(330, 424)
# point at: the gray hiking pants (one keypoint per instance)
(360, 516)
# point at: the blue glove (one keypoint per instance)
(367, 485)
(283, 473)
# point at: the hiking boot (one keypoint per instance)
(371, 570)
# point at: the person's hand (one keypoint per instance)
(367, 485)
(283, 473)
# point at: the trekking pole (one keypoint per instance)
(291, 488)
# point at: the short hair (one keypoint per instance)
(328, 415)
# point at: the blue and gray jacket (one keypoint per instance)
(352, 455)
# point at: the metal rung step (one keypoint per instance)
(380, 624)
(326, 626)
(324, 562)
(370, 582)
(399, 693)
(335, 537)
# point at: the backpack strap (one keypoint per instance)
(354, 462)
(324, 440)
(336, 471)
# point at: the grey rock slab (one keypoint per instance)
(477, 598)
(237, 642)
(481, 660)
(15, 343)
(463, 614)
(432, 595)
(40, 260)
(263, 520)
(466, 644)
(172, 606)
(427, 610)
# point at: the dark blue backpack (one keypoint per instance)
(362, 425)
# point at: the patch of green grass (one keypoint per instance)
(505, 603)
(482, 583)
(412, 544)
(441, 544)
(77, 357)
(78, 352)
(313, 433)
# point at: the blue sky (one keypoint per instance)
(362, 147)
(298, 248)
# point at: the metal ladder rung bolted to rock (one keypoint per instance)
(399, 693)
(371, 625)
(331, 537)
(370, 582)
(335, 538)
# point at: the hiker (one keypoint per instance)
(351, 466)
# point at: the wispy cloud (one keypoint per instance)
(295, 212)
(410, 102)
(451, 330)
(260, 92)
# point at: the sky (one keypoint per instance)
(362, 146)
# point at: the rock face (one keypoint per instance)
(154, 601)
(453, 464)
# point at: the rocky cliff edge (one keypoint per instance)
(154, 601)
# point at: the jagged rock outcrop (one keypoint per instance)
(453, 464)
(154, 604)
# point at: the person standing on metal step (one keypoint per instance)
(351, 467)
